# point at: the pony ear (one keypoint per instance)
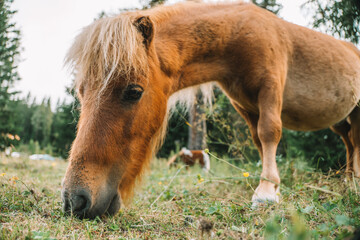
(146, 28)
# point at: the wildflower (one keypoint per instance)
(17, 137)
(53, 164)
(159, 183)
(14, 178)
(10, 136)
(2, 174)
(200, 180)
(206, 150)
(337, 172)
(246, 174)
(278, 193)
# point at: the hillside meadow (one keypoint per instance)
(180, 203)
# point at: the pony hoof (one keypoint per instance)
(265, 194)
(260, 203)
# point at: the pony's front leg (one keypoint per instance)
(269, 133)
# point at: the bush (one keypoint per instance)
(321, 149)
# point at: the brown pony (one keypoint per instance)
(132, 67)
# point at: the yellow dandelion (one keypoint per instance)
(17, 137)
(53, 164)
(206, 150)
(159, 183)
(200, 180)
(2, 174)
(246, 174)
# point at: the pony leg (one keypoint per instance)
(269, 130)
(354, 136)
(343, 129)
(252, 122)
(206, 161)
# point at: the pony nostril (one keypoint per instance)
(114, 205)
(79, 203)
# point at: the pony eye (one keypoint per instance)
(133, 93)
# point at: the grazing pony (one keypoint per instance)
(190, 157)
(131, 68)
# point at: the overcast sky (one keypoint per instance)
(49, 27)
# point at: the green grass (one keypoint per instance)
(170, 204)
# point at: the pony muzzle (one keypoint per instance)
(82, 204)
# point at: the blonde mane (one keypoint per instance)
(113, 47)
(106, 49)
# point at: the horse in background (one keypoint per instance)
(132, 68)
(191, 157)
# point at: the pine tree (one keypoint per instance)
(63, 129)
(41, 122)
(9, 52)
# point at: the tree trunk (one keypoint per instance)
(197, 128)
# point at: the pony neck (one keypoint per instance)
(190, 55)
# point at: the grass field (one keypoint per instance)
(175, 203)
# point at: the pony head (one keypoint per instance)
(123, 110)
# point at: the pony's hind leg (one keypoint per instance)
(354, 136)
(343, 129)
